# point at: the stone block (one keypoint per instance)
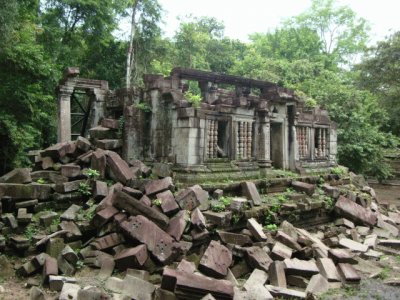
(331, 191)
(287, 240)
(135, 287)
(109, 144)
(353, 245)
(131, 258)
(318, 284)
(98, 162)
(36, 294)
(238, 204)
(59, 150)
(344, 222)
(257, 277)
(328, 269)
(83, 144)
(221, 219)
(277, 275)
(23, 216)
(186, 266)
(256, 230)
(119, 168)
(177, 225)
(348, 273)
(249, 190)
(158, 242)
(48, 218)
(297, 281)
(92, 293)
(341, 256)
(234, 238)
(107, 242)
(110, 123)
(168, 203)
(193, 197)
(216, 260)
(50, 268)
(197, 219)
(137, 194)
(296, 266)
(69, 255)
(56, 283)
(69, 291)
(157, 186)
(54, 247)
(355, 212)
(26, 204)
(104, 215)
(70, 170)
(258, 258)
(100, 132)
(281, 252)
(65, 267)
(19, 175)
(285, 293)
(99, 190)
(71, 213)
(195, 286)
(390, 243)
(70, 186)
(73, 231)
(135, 207)
(304, 187)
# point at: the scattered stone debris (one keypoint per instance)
(82, 207)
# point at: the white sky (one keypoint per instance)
(242, 18)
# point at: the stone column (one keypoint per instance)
(264, 139)
(64, 113)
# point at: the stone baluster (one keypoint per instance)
(210, 138)
(249, 138)
(215, 140)
(241, 136)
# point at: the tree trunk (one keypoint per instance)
(130, 60)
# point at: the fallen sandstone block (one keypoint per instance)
(216, 260)
(355, 212)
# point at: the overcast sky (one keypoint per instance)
(242, 18)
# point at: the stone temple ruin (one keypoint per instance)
(242, 126)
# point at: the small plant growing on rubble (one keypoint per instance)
(271, 227)
(30, 231)
(236, 218)
(157, 202)
(84, 189)
(143, 107)
(339, 170)
(329, 202)
(217, 207)
(41, 181)
(92, 174)
(225, 200)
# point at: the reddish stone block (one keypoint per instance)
(303, 187)
(216, 260)
(119, 167)
(158, 242)
(168, 203)
(177, 225)
(355, 212)
(98, 162)
(70, 170)
(158, 186)
(131, 258)
(107, 242)
(197, 219)
(249, 190)
(110, 123)
(258, 258)
(104, 215)
(50, 267)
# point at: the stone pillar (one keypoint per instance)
(264, 139)
(98, 106)
(64, 113)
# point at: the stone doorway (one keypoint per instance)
(277, 145)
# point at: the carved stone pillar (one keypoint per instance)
(264, 151)
(64, 113)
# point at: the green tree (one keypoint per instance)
(379, 73)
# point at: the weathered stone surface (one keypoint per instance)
(285, 293)
(23, 216)
(99, 190)
(103, 216)
(196, 286)
(249, 190)
(98, 162)
(341, 256)
(177, 225)
(36, 294)
(107, 242)
(135, 207)
(221, 219)
(287, 240)
(131, 258)
(168, 203)
(234, 238)
(48, 218)
(26, 204)
(197, 219)
(328, 269)
(281, 251)
(70, 186)
(137, 194)
(344, 222)
(348, 272)
(277, 275)
(83, 144)
(109, 144)
(56, 283)
(390, 243)
(92, 293)
(318, 284)
(73, 231)
(216, 260)
(186, 266)
(158, 242)
(355, 212)
(70, 170)
(71, 213)
(119, 167)
(353, 245)
(238, 204)
(69, 255)
(331, 191)
(59, 150)
(300, 267)
(110, 123)
(257, 277)
(25, 191)
(69, 291)
(158, 186)
(258, 258)
(313, 240)
(297, 281)
(50, 267)
(134, 287)
(256, 230)
(65, 267)
(303, 187)
(19, 175)
(54, 247)
(371, 241)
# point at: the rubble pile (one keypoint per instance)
(145, 240)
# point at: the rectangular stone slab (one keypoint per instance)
(158, 242)
(285, 293)
(158, 186)
(234, 238)
(131, 258)
(277, 275)
(348, 273)
(177, 225)
(216, 260)
(355, 212)
(328, 269)
(249, 190)
(258, 258)
(195, 286)
(256, 229)
(168, 203)
(135, 207)
(300, 267)
(119, 167)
